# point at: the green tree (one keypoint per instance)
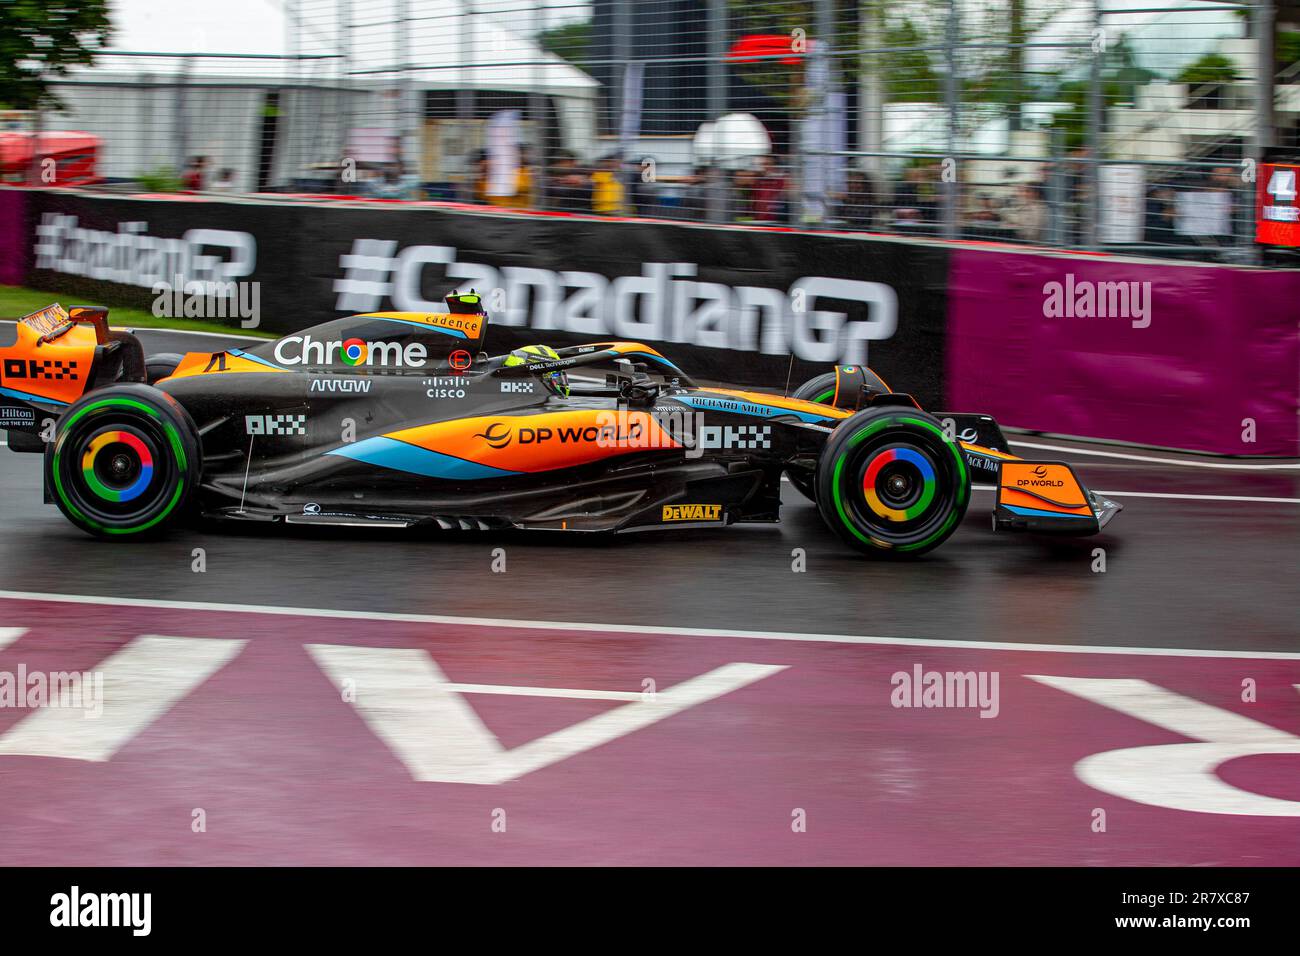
(571, 41)
(1211, 69)
(40, 39)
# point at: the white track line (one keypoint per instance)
(1232, 466)
(638, 630)
(1167, 494)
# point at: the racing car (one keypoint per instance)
(399, 419)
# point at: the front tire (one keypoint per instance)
(125, 462)
(890, 484)
(821, 390)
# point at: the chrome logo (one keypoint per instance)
(136, 455)
(913, 465)
(353, 352)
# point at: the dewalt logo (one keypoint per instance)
(692, 513)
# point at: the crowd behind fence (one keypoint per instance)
(1128, 125)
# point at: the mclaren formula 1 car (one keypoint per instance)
(399, 419)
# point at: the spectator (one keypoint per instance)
(1225, 179)
(861, 200)
(607, 192)
(768, 192)
(395, 183)
(1027, 214)
(567, 188)
(522, 197)
(917, 199)
(225, 181)
(192, 175)
(1161, 216)
(478, 167)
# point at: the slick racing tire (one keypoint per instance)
(125, 461)
(161, 365)
(822, 391)
(890, 484)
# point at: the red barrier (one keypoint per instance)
(1180, 355)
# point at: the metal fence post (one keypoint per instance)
(537, 108)
(465, 98)
(715, 188)
(951, 98)
(1262, 28)
(1092, 170)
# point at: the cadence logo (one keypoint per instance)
(305, 350)
(664, 303)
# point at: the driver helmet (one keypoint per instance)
(555, 382)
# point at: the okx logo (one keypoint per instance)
(275, 424)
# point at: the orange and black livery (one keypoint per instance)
(403, 419)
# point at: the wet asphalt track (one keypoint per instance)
(289, 773)
(1179, 573)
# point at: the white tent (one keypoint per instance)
(183, 78)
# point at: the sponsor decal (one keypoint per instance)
(625, 434)
(305, 350)
(981, 462)
(14, 417)
(665, 303)
(735, 436)
(968, 434)
(1040, 480)
(524, 388)
(132, 257)
(353, 352)
(452, 387)
(53, 369)
(311, 508)
(275, 424)
(692, 513)
(339, 385)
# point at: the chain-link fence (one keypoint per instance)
(1131, 125)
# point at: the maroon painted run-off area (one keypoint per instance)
(286, 771)
(1222, 346)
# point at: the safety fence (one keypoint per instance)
(1119, 125)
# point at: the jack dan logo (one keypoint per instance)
(692, 513)
(53, 369)
(275, 424)
(736, 436)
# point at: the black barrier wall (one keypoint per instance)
(728, 304)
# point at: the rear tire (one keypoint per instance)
(160, 366)
(821, 390)
(125, 462)
(890, 484)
